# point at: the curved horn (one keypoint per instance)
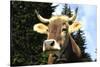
(74, 15)
(41, 18)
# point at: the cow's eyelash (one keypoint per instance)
(64, 23)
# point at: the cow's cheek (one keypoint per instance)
(61, 42)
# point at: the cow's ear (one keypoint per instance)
(40, 28)
(74, 27)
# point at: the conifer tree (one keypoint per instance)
(26, 44)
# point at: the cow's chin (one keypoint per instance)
(53, 51)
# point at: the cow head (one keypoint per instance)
(57, 29)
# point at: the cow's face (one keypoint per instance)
(56, 31)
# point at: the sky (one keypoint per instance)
(87, 17)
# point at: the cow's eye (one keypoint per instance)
(64, 29)
(47, 30)
(64, 23)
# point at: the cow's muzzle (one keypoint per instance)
(51, 45)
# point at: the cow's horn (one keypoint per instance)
(74, 15)
(41, 18)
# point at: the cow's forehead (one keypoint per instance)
(55, 24)
(60, 17)
(58, 21)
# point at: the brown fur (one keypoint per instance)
(51, 59)
(55, 29)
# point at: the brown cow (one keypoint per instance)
(59, 40)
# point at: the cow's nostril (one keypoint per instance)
(52, 44)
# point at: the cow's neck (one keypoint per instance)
(72, 51)
(67, 38)
(51, 59)
(65, 43)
